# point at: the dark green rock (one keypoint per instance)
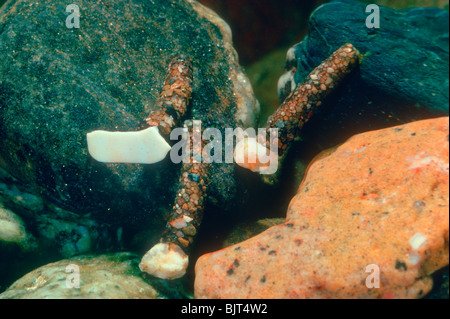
(403, 76)
(57, 84)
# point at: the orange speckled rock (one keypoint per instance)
(380, 201)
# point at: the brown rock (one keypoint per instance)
(379, 201)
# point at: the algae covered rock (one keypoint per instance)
(12, 230)
(112, 276)
(403, 74)
(58, 83)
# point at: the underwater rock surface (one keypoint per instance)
(59, 83)
(246, 230)
(46, 227)
(12, 230)
(112, 276)
(381, 198)
(33, 231)
(403, 76)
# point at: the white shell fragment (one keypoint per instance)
(165, 261)
(143, 147)
(255, 157)
(417, 241)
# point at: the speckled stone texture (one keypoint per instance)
(113, 276)
(300, 105)
(57, 84)
(403, 75)
(381, 198)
